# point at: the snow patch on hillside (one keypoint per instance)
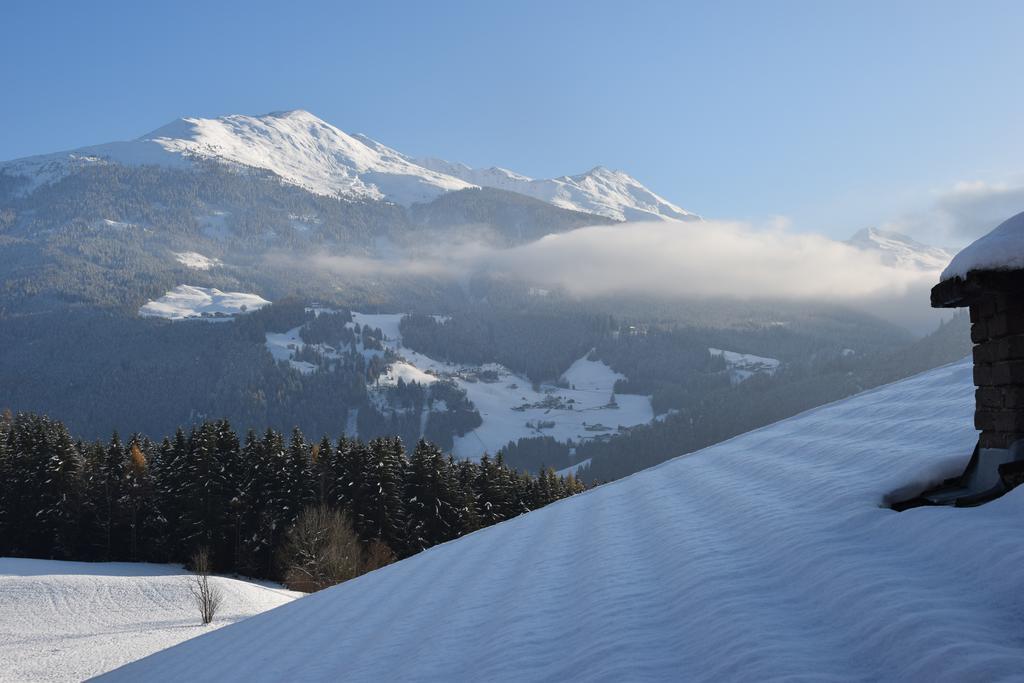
(591, 375)
(743, 366)
(189, 302)
(68, 621)
(284, 345)
(196, 261)
(106, 224)
(407, 372)
(509, 405)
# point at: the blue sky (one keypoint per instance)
(835, 115)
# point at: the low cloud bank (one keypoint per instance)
(686, 260)
(705, 260)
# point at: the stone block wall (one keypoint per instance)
(997, 330)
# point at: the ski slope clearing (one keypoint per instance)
(67, 621)
(204, 303)
(509, 405)
(769, 556)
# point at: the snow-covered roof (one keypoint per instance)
(1001, 249)
(768, 556)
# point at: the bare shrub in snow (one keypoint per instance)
(377, 556)
(321, 550)
(207, 596)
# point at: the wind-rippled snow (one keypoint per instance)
(767, 557)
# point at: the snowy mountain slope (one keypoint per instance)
(67, 621)
(901, 250)
(310, 153)
(769, 556)
(509, 406)
(601, 191)
(295, 145)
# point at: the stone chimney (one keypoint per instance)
(988, 277)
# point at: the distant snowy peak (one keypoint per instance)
(310, 153)
(600, 191)
(901, 250)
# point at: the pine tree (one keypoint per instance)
(297, 476)
(172, 487)
(105, 488)
(205, 514)
(385, 516)
(493, 489)
(140, 500)
(321, 462)
(266, 499)
(70, 500)
(60, 513)
(432, 499)
(467, 473)
(6, 481)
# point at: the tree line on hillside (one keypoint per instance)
(540, 344)
(140, 500)
(76, 364)
(701, 407)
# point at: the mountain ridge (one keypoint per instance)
(897, 249)
(306, 151)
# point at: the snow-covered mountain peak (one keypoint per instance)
(600, 191)
(900, 250)
(304, 150)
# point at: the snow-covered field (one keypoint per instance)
(508, 405)
(68, 621)
(283, 345)
(186, 301)
(766, 557)
(511, 409)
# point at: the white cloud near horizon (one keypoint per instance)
(962, 213)
(685, 260)
(708, 259)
